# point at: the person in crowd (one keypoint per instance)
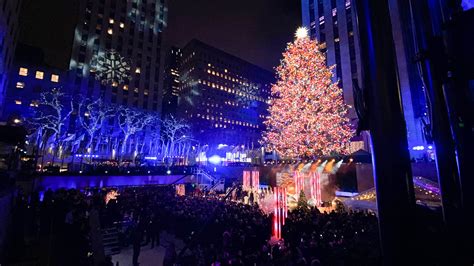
(136, 242)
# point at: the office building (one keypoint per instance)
(116, 52)
(171, 81)
(333, 24)
(224, 97)
(9, 28)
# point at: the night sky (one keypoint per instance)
(254, 30)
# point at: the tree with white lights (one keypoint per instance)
(132, 121)
(175, 132)
(54, 109)
(92, 116)
(307, 112)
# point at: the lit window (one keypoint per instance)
(336, 40)
(122, 25)
(23, 71)
(136, 90)
(34, 104)
(111, 21)
(17, 102)
(225, 70)
(20, 85)
(54, 78)
(334, 12)
(209, 71)
(145, 92)
(114, 84)
(137, 70)
(110, 31)
(209, 65)
(39, 75)
(125, 87)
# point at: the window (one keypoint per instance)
(122, 25)
(54, 78)
(110, 31)
(111, 21)
(20, 85)
(23, 71)
(39, 75)
(18, 102)
(137, 70)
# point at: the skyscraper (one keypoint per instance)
(224, 97)
(118, 43)
(9, 10)
(171, 81)
(333, 24)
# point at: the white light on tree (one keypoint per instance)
(111, 68)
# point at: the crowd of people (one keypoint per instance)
(218, 232)
(214, 231)
(52, 228)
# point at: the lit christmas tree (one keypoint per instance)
(307, 115)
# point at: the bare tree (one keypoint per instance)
(92, 115)
(175, 132)
(132, 121)
(52, 115)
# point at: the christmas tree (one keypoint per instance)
(307, 113)
(302, 201)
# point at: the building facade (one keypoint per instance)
(9, 28)
(224, 97)
(26, 83)
(333, 24)
(171, 81)
(117, 53)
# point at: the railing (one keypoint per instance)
(200, 173)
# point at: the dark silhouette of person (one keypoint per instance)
(154, 231)
(170, 255)
(137, 240)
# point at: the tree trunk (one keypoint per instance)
(123, 147)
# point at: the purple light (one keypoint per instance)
(467, 4)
